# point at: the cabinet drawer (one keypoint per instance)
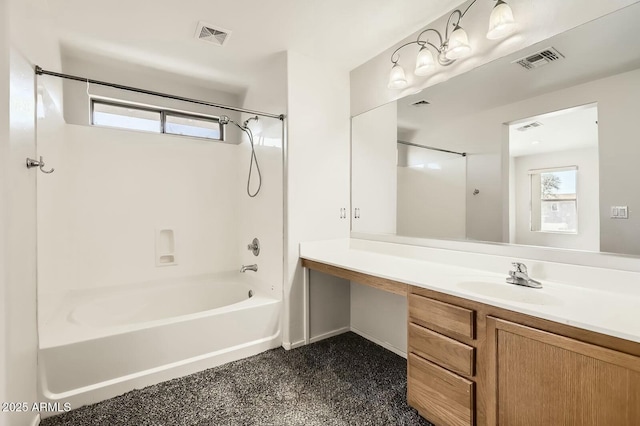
(443, 316)
(442, 350)
(440, 396)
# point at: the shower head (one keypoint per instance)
(224, 120)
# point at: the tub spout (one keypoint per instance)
(246, 268)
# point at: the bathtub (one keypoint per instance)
(97, 344)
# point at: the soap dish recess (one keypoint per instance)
(165, 247)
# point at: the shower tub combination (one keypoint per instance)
(97, 344)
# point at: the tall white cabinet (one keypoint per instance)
(374, 170)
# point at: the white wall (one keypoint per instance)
(617, 105)
(538, 20)
(4, 189)
(374, 173)
(329, 307)
(588, 236)
(431, 201)
(262, 216)
(484, 172)
(113, 190)
(29, 44)
(379, 316)
(20, 238)
(98, 68)
(318, 171)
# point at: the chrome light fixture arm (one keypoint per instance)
(442, 60)
(396, 53)
(460, 16)
(453, 45)
(419, 41)
(395, 56)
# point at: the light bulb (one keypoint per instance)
(501, 22)
(397, 79)
(458, 44)
(424, 62)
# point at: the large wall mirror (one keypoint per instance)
(542, 151)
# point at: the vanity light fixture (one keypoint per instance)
(397, 78)
(450, 47)
(501, 21)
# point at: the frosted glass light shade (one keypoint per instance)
(501, 22)
(397, 78)
(425, 62)
(458, 45)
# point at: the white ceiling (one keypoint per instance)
(160, 34)
(571, 129)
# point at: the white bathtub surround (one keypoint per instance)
(96, 344)
(602, 300)
(141, 238)
(124, 205)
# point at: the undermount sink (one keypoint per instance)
(511, 292)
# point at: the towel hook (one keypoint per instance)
(35, 163)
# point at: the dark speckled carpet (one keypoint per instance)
(344, 380)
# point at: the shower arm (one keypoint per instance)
(226, 120)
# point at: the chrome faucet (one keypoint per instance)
(246, 268)
(520, 277)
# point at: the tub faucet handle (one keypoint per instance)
(254, 247)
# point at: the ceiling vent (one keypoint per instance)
(212, 34)
(539, 59)
(529, 126)
(421, 103)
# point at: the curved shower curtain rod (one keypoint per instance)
(40, 71)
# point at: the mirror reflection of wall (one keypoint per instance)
(554, 180)
(431, 192)
(594, 76)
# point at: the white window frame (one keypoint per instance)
(163, 117)
(533, 172)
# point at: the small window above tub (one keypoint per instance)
(155, 120)
(191, 125)
(125, 117)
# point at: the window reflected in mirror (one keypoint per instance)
(554, 179)
(551, 152)
(554, 200)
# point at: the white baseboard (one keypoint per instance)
(288, 345)
(36, 420)
(385, 345)
(329, 334)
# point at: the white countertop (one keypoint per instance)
(613, 313)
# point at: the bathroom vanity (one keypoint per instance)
(549, 356)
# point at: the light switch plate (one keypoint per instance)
(619, 212)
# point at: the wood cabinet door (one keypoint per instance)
(540, 378)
